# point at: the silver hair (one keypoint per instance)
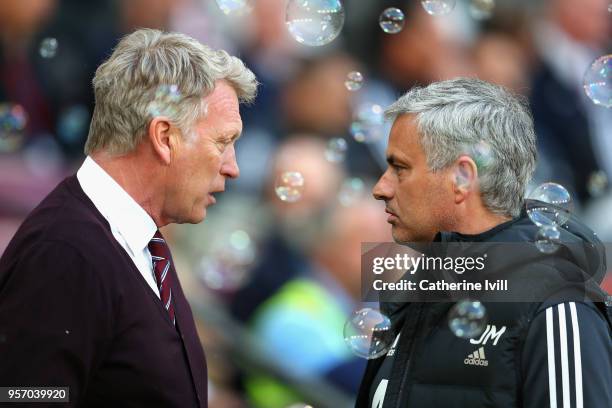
(454, 117)
(151, 73)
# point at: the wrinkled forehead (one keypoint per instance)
(223, 106)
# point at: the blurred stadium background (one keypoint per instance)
(273, 282)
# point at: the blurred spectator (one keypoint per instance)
(500, 59)
(294, 226)
(22, 72)
(426, 50)
(156, 14)
(573, 133)
(316, 100)
(302, 322)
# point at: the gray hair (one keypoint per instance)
(151, 73)
(457, 116)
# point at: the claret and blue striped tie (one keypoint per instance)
(160, 253)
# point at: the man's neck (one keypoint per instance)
(130, 175)
(480, 222)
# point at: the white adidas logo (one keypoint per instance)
(477, 358)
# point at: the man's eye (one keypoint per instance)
(223, 143)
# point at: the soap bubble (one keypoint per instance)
(482, 9)
(598, 81)
(462, 178)
(234, 7)
(608, 300)
(467, 319)
(228, 266)
(598, 183)
(314, 22)
(391, 20)
(13, 121)
(368, 123)
(482, 154)
(165, 102)
(43, 157)
(547, 239)
(73, 124)
(552, 206)
(48, 48)
(368, 333)
(354, 81)
(352, 189)
(289, 186)
(610, 8)
(336, 150)
(438, 7)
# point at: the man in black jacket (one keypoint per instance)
(460, 155)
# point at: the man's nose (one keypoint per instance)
(229, 166)
(383, 190)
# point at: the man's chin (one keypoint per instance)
(402, 236)
(194, 218)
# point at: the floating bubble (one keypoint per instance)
(438, 7)
(227, 267)
(467, 319)
(610, 8)
(351, 191)
(48, 48)
(73, 124)
(482, 9)
(336, 150)
(608, 300)
(598, 81)
(354, 81)
(598, 183)
(462, 179)
(165, 101)
(547, 239)
(43, 157)
(392, 20)
(13, 121)
(482, 154)
(368, 123)
(235, 7)
(289, 186)
(550, 204)
(314, 22)
(368, 333)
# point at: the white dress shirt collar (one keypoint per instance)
(117, 206)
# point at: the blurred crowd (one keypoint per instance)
(283, 275)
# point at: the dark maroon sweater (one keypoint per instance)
(75, 311)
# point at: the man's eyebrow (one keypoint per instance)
(393, 160)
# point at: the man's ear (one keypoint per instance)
(465, 178)
(162, 136)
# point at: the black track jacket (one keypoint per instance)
(553, 353)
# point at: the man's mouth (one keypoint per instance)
(392, 216)
(212, 198)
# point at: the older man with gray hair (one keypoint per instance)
(460, 155)
(90, 299)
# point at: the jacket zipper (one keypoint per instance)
(410, 351)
